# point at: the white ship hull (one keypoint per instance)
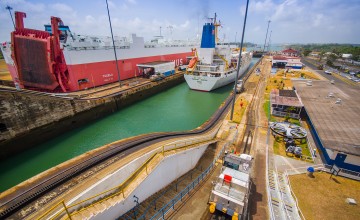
(207, 83)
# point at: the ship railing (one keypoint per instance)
(66, 209)
(95, 47)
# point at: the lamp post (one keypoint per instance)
(10, 8)
(112, 36)
(239, 62)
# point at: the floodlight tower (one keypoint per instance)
(266, 34)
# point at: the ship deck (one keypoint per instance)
(114, 88)
(106, 90)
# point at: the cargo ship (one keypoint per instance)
(214, 64)
(56, 60)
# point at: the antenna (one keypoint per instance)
(198, 31)
(170, 28)
(10, 8)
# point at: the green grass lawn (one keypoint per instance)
(324, 198)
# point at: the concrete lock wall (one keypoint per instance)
(26, 114)
(112, 180)
(169, 169)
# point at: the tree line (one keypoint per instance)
(337, 49)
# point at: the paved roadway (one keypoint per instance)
(339, 80)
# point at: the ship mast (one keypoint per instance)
(216, 24)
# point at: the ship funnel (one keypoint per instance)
(208, 36)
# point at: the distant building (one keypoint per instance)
(315, 54)
(285, 103)
(286, 62)
(290, 52)
(279, 61)
(347, 56)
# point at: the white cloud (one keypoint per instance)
(256, 28)
(318, 20)
(261, 6)
(186, 24)
(131, 1)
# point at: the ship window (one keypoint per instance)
(3, 127)
(83, 80)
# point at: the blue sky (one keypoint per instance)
(292, 21)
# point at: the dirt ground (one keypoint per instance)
(324, 198)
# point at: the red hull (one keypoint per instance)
(89, 75)
(40, 63)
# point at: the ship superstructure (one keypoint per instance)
(56, 60)
(231, 190)
(214, 64)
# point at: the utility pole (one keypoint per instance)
(160, 31)
(235, 36)
(239, 62)
(10, 8)
(266, 34)
(112, 36)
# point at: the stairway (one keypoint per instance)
(154, 203)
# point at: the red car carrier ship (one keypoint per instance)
(56, 60)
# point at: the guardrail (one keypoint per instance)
(61, 209)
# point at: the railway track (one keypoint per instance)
(14, 203)
(251, 119)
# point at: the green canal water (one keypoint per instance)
(176, 109)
